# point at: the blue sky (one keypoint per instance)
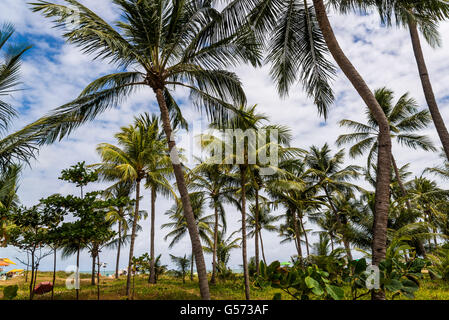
(54, 73)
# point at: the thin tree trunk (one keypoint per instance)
(77, 280)
(244, 254)
(54, 274)
(256, 236)
(133, 238)
(152, 255)
(214, 255)
(401, 185)
(32, 276)
(119, 245)
(305, 234)
(187, 207)
(427, 87)
(94, 257)
(98, 276)
(298, 235)
(382, 198)
(261, 247)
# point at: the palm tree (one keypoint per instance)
(9, 200)
(223, 247)
(421, 16)
(265, 221)
(182, 263)
(121, 212)
(326, 171)
(404, 119)
(179, 225)
(174, 44)
(130, 164)
(159, 170)
(241, 154)
(213, 181)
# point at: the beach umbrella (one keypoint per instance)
(285, 263)
(3, 264)
(43, 287)
(8, 261)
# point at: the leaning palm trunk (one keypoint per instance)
(427, 87)
(384, 140)
(152, 278)
(133, 238)
(256, 236)
(244, 253)
(297, 235)
(188, 212)
(261, 247)
(118, 246)
(214, 255)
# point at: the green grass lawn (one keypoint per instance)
(170, 288)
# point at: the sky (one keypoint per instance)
(54, 73)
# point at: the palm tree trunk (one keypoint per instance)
(118, 247)
(77, 280)
(244, 254)
(191, 266)
(133, 238)
(256, 236)
(261, 247)
(298, 235)
(427, 87)
(188, 212)
(401, 185)
(153, 217)
(214, 254)
(54, 274)
(382, 199)
(305, 234)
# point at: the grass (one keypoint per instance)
(171, 288)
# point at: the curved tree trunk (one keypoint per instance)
(298, 235)
(188, 212)
(244, 250)
(427, 87)
(214, 254)
(261, 247)
(152, 278)
(256, 236)
(305, 234)
(133, 238)
(117, 263)
(382, 199)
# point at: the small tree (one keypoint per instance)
(182, 263)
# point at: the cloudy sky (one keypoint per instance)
(54, 73)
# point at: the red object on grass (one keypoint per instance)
(43, 287)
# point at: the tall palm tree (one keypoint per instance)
(326, 171)
(298, 36)
(159, 170)
(404, 119)
(167, 44)
(129, 162)
(421, 16)
(179, 225)
(241, 154)
(213, 181)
